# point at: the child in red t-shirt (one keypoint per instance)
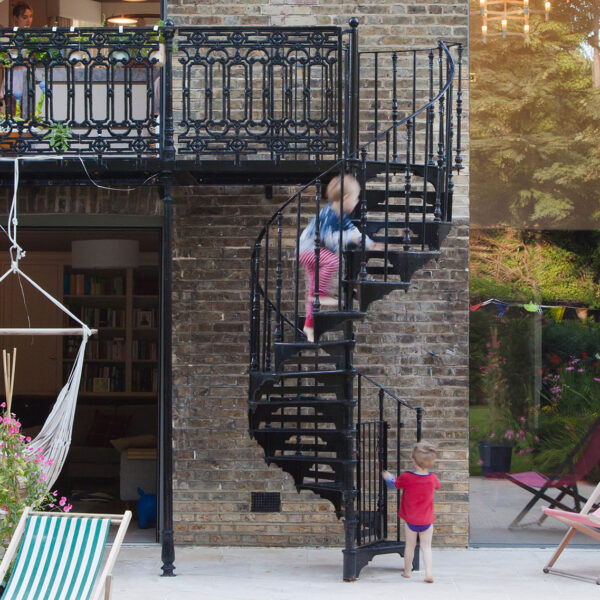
(416, 507)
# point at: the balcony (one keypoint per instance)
(207, 103)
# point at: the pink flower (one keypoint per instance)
(68, 508)
(28, 439)
(536, 438)
(479, 462)
(580, 370)
(569, 368)
(521, 433)
(62, 501)
(492, 435)
(50, 505)
(3, 405)
(596, 378)
(55, 493)
(509, 434)
(42, 477)
(521, 451)
(528, 450)
(522, 419)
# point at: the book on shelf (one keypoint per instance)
(114, 373)
(101, 384)
(145, 350)
(144, 317)
(80, 284)
(145, 379)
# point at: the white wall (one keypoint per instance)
(4, 17)
(83, 12)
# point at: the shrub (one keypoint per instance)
(22, 480)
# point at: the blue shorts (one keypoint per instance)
(418, 528)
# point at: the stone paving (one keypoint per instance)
(227, 573)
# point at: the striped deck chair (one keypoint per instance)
(586, 522)
(59, 556)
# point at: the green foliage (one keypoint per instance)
(571, 338)
(60, 136)
(548, 267)
(513, 334)
(535, 124)
(21, 479)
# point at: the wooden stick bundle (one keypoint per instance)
(9, 376)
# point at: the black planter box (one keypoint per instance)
(495, 458)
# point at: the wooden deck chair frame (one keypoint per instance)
(587, 528)
(563, 481)
(103, 580)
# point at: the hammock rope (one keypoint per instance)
(54, 439)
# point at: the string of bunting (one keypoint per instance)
(557, 312)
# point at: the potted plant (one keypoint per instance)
(496, 448)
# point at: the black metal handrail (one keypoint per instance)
(265, 93)
(375, 428)
(261, 325)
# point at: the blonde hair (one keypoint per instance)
(424, 454)
(334, 188)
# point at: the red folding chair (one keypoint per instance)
(576, 467)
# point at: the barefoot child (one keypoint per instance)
(416, 507)
(329, 233)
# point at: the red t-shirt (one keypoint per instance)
(416, 506)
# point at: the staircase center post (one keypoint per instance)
(354, 78)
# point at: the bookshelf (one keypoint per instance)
(123, 304)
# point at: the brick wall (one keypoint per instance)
(415, 344)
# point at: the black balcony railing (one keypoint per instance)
(80, 91)
(270, 93)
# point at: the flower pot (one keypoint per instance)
(495, 459)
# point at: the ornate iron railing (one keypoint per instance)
(379, 443)
(275, 92)
(266, 93)
(85, 91)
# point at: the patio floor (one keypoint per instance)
(494, 503)
(227, 573)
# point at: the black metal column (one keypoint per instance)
(166, 416)
(353, 90)
(350, 568)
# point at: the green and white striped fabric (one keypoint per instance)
(58, 559)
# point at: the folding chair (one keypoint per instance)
(584, 521)
(59, 556)
(584, 456)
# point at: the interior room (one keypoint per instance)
(86, 13)
(109, 279)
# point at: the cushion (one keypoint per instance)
(106, 427)
(134, 441)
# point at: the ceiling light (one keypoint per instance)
(122, 20)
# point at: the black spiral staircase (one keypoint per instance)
(313, 413)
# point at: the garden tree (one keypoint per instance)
(546, 267)
(583, 16)
(535, 130)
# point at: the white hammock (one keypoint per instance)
(54, 439)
